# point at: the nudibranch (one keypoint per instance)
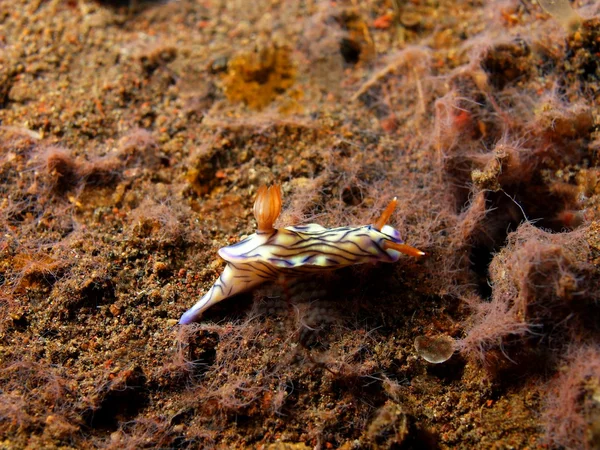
(292, 251)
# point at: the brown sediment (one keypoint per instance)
(133, 139)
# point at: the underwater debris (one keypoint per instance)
(572, 415)
(562, 12)
(257, 77)
(390, 427)
(542, 284)
(437, 349)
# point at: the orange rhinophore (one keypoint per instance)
(267, 207)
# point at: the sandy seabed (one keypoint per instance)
(134, 136)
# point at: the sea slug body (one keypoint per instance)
(272, 252)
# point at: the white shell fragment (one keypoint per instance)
(435, 349)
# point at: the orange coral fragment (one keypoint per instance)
(383, 22)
